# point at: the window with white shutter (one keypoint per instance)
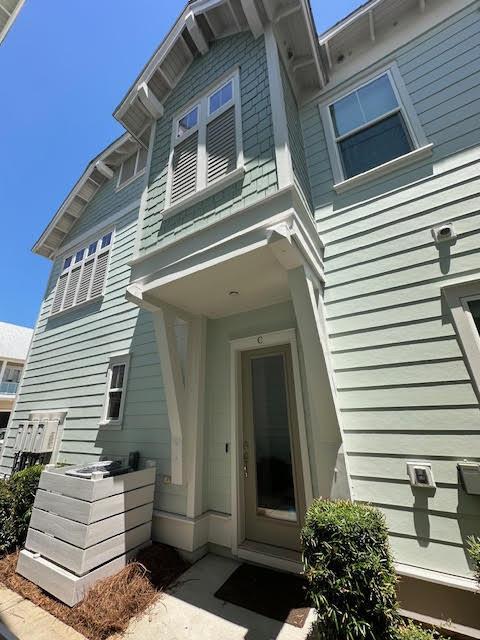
(83, 275)
(206, 143)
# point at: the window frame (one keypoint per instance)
(405, 108)
(137, 173)
(74, 265)
(204, 118)
(457, 296)
(115, 360)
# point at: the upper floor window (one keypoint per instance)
(132, 167)
(83, 274)
(12, 373)
(370, 126)
(206, 141)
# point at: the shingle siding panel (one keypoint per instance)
(258, 146)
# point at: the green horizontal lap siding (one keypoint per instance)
(403, 388)
(259, 152)
(295, 136)
(105, 203)
(441, 71)
(67, 369)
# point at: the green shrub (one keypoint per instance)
(411, 631)
(16, 500)
(474, 550)
(349, 570)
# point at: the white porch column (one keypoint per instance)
(329, 460)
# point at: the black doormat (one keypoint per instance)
(273, 594)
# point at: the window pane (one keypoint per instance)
(128, 168)
(114, 399)
(142, 159)
(79, 255)
(68, 262)
(377, 98)
(474, 306)
(92, 248)
(106, 240)
(346, 114)
(375, 145)
(187, 122)
(118, 371)
(221, 97)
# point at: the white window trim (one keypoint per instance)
(204, 117)
(136, 173)
(421, 147)
(74, 264)
(458, 295)
(116, 424)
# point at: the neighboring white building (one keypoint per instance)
(14, 345)
(9, 10)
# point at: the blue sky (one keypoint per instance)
(64, 67)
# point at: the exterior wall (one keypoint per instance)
(403, 387)
(68, 362)
(259, 153)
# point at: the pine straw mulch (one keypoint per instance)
(112, 602)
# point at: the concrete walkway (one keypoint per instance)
(20, 619)
(191, 612)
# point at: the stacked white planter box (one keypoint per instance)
(82, 530)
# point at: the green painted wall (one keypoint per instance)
(260, 178)
(403, 387)
(69, 358)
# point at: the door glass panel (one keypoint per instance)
(273, 455)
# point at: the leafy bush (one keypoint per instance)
(411, 631)
(349, 570)
(474, 550)
(16, 500)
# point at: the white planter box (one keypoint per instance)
(85, 529)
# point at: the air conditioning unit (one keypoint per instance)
(45, 436)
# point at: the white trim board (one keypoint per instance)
(274, 338)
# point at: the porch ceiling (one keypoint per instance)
(257, 277)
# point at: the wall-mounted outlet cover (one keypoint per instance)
(421, 474)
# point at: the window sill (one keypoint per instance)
(75, 307)
(384, 169)
(109, 425)
(214, 187)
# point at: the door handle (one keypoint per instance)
(245, 458)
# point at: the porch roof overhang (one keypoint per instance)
(203, 21)
(224, 270)
(98, 171)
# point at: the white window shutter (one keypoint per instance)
(72, 287)
(59, 291)
(184, 169)
(221, 145)
(100, 274)
(85, 280)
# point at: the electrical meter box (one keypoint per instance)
(470, 477)
(421, 475)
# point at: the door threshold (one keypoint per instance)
(271, 556)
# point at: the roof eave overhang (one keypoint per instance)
(205, 20)
(98, 171)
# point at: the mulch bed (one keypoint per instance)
(111, 603)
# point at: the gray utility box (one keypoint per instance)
(84, 529)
